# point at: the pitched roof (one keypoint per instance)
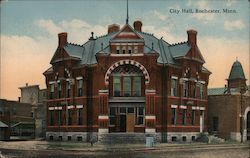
(180, 50)
(221, 90)
(236, 71)
(3, 125)
(167, 53)
(217, 91)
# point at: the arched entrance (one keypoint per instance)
(248, 125)
(127, 98)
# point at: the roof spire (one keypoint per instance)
(127, 13)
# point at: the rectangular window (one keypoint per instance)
(140, 115)
(194, 90)
(79, 87)
(124, 50)
(215, 123)
(52, 91)
(69, 116)
(112, 113)
(79, 116)
(129, 50)
(184, 116)
(185, 89)
(117, 49)
(193, 117)
(59, 89)
(123, 110)
(137, 86)
(130, 110)
(202, 91)
(52, 118)
(60, 121)
(68, 88)
(117, 86)
(135, 49)
(173, 119)
(174, 87)
(127, 86)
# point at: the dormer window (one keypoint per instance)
(129, 50)
(118, 50)
(135, 49)
(123, 50)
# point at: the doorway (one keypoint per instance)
(123, 123)
(124, 119)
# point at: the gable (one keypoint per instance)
(59, 54)
(195, 54)
(127, 32)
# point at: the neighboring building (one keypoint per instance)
(127, 81)
(18, 117)
(34, 95)
(4, 123)
(227, 104)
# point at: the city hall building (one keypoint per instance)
(127, 83)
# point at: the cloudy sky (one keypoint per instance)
(29, 32)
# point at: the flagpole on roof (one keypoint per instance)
(127, 13)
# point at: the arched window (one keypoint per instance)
(127, 81)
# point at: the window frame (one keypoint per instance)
(127, 86)
(138, 116)
(80, 116)
(79, 84)
(115, 92)
(174, 87)
(173, 117)
(184, 116)
(193, 117)
(52, 90)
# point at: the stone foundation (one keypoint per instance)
(104, 137)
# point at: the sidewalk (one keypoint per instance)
(77, 146)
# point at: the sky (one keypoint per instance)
(29, 31)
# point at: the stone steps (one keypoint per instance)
(123, 138)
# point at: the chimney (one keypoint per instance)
(62, 39)
(19, 99)
(113, 28)
(137, 25)
(192, 37)
(26, 84)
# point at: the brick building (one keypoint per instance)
(127, 81)
(228, 104)
(18, 118)
(32, 94)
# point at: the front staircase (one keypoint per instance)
(124, 138)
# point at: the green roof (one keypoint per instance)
(236, 71)
(217, 91)
(167, 52)
(3, 125)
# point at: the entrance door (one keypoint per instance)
(130, 122)
(248, 125)
(123, 123)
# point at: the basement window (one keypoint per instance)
(193, 138)
(174, 139)
(69, 138)
(60, 138)
(50, 137)
(79, 138)
(184, 138)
